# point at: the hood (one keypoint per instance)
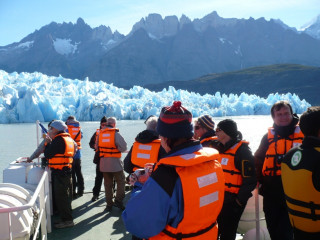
(147, 136)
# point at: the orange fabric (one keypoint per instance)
(203, 193)
(143, 153)
(233, 177)
(107, 146)
(208, 139)
(278, 147)
(60, 161)
(73, 131)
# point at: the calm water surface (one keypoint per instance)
(20, 140)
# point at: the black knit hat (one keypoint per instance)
(175, 122)
(229, 127)
(206, 122)
(310, 121)
(103, 119)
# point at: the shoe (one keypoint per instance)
(119, 205)
(64, 224)
(94, 198)
(80, 193)
(108, 208)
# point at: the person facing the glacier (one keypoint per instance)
(60, 149)
(145, 149)
(184, 194)
(110, 145)
(76, 134)
(280, 138)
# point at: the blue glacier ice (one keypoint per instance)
(27, 97)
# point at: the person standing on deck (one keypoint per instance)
(146, 148)
(204, 130)
(300, 173)
(281, 137)
(60, 149)
(184, 194)
(96, 160)
(110, 144)
(237, 162)
(75, 132)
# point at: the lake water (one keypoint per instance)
(20, 140)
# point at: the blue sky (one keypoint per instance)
(18, 18)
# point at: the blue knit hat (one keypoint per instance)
(175, 122)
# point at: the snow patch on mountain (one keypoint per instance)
(64, 46)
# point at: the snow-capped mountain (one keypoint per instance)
(159, 49)
(312, 28)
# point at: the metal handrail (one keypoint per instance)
(41, 191)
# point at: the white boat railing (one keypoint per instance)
(44, 216)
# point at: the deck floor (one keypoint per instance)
(93, 222)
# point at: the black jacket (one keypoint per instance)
(145, 136)
(244, 162)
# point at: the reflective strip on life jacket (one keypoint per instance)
(233, 177)
(202, 182)
(107, 146)
(278, 147)
(59, 161)
(75, 133)
(143, 153)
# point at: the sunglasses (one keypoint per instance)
(197, 127)
(218, 129)
(103, 124)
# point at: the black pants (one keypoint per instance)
(62, 193)
(228, 220)
(77, 178)
(98, 181)
(277, 218)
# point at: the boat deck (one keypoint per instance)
(92, 221)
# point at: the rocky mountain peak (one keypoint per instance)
(313, 27)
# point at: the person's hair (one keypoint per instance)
(280, 104)
(310, 121)
(151, 123)
(49, 124)
(171, 142)
(111, 121)
(71, 117)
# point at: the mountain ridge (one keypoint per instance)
(262, 80)
(159, 50)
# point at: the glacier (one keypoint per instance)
(27, 97)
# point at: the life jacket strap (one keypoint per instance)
(232, 172)
(310, 205)
(180, 236)
(230, 185)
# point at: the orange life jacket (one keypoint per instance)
(107, 146)
(203, 194)
(278, 147)
(233, 177)
(143, 153)
(60, 161)
(75, 133)
(212, 138)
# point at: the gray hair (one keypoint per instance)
(111, 121)
(151, 123)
